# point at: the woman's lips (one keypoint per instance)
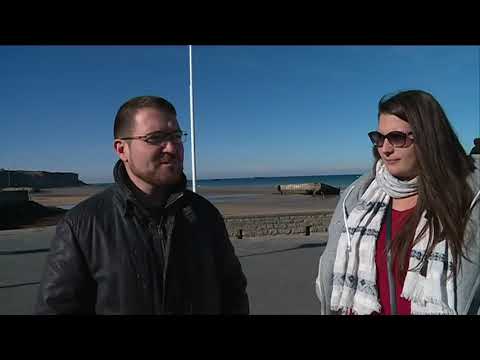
(392, 161)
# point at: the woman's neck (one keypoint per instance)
(405, 203)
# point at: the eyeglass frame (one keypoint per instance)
(146, 137)
(406, 137)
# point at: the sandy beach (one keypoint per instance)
(231, 201)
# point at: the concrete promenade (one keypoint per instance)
(280, 270)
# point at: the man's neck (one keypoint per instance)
(149, 195)
(141, 185)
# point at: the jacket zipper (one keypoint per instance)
(166, 253)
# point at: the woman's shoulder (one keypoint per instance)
(474, 179)
(358, 187)
(476, 161)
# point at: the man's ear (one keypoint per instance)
(121, 148)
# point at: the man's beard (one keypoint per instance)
(160, 176)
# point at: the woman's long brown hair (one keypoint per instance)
(443, 168)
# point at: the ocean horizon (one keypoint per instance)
(339, 181)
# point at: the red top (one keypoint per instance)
(403, 306)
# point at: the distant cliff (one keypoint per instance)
(38, 179)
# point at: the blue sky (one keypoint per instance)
(259, 110)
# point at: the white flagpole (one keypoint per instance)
(192, 123)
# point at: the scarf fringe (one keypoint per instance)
(414, 288)
(435, 309)
(357, 309)
(418, 290)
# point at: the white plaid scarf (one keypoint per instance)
(354, 272)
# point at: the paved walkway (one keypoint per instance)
(280, 270)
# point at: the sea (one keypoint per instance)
(339, 181)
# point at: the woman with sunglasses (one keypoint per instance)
(413, 239)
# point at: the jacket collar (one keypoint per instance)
(130, 204)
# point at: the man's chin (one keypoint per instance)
(168, 178)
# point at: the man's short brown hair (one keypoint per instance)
(124, 120)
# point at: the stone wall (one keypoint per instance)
(278, 224)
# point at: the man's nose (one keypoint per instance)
(171, 146)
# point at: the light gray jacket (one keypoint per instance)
(468, 278)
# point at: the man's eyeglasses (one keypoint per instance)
(159, 138)
(398, 139)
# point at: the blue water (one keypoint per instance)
(339, 181)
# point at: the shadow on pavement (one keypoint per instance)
(303, 246)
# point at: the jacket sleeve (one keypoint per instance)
(66, 286)
(324, 280)
(233, 281)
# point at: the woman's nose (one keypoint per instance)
(387, 147)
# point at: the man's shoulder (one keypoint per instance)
(99, 203)
(201, 205)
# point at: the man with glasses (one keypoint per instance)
(146, 245)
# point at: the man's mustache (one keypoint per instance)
(168, 158)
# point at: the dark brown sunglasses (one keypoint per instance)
(398, 139)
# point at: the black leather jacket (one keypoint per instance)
(109, 256)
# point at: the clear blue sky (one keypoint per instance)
(259, 110)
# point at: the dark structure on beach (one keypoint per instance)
(309, 189)
(37, 179)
